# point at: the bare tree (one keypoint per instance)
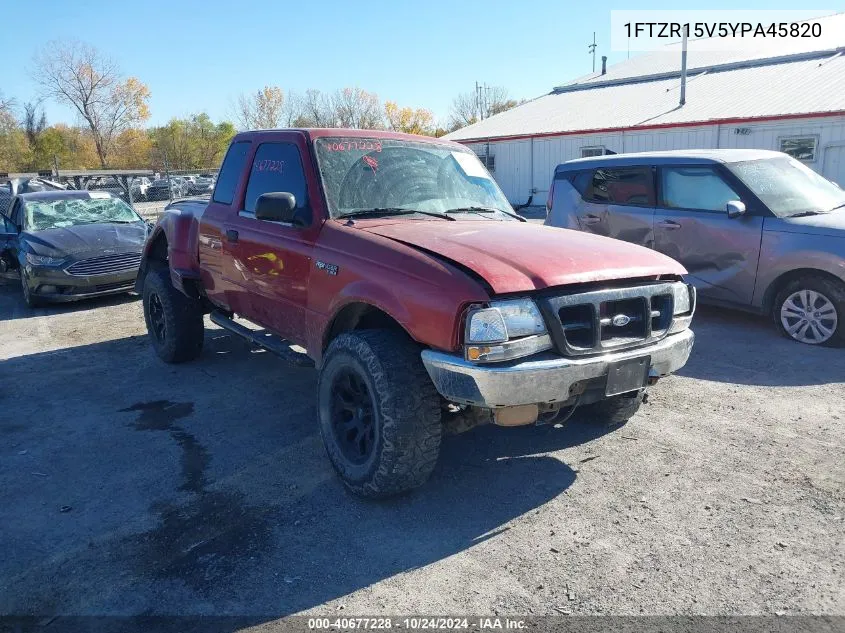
(261, 110)
(33, 124)
(76, 74)
(6, 105)
(357, 108)
(470, 107)
(312, 109)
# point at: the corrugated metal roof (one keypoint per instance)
(638, 93)
(668, 59)
(809, 86)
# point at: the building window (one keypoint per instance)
(593, 150)
(488, 160)
(800, 147)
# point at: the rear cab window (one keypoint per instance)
(230, 172)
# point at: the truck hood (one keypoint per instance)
(517, 257)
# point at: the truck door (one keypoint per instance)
(618, 202)
(225, 202)
(693, 227)
(267, 263)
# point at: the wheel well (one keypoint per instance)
(777, 285)
(158, 250)
(359, 316)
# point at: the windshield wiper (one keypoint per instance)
(483, 210)
(838, 206)
(384, 211)
(805, 214)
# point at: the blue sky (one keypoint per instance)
(198, 56)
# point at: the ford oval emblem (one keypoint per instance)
(621, 320)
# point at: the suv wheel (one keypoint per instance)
(812, 310)
(379, 413)
(174, 321)
(31, 300)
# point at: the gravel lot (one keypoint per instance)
(131, 487)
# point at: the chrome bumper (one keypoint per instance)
(541, 380)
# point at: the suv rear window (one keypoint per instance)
(624, 185)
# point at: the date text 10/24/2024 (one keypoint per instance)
(415, 623)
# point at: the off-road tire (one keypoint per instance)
(182, 317)
(406, 409)
(834, 291)
(30, 300)
(614, 411)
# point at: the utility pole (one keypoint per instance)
(684, 69)
(478, 107)
(592, 49)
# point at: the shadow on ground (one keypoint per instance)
(204, 489)
(739, 348)
(12, 305)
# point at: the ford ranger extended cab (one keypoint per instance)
(425, 303)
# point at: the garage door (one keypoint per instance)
(834, 164)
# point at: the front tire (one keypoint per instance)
(811, 310)
(174, 321)
(379, 413)
(31, 300)
(616, 410)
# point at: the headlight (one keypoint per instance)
(507, 329)
(43, 260)
(684, 298)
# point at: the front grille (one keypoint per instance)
(105, 264)
(604, 320)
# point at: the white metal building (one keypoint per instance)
(791, 101)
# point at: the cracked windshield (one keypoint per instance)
(41, 215)
(362, 174)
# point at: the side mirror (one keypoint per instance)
(279, 206)
(735, 209)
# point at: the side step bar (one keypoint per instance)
(262, 339)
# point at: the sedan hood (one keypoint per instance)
(831, 224)
(84, 239)
(516, 256)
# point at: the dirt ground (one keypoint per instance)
(132, 487)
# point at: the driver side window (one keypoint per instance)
(276, 167)
(697, 188)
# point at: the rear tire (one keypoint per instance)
(811, 310)
(615, 411)
(379, 413)
(174, 321)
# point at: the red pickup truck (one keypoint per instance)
(424, 301)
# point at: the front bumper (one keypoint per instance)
(73, 287)
(546, 379)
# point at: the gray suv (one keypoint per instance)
(757, 230)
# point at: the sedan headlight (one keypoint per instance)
(507, 329)
(43, 260)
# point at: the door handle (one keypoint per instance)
(669, 224)
(232, 235)
(591, 219)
